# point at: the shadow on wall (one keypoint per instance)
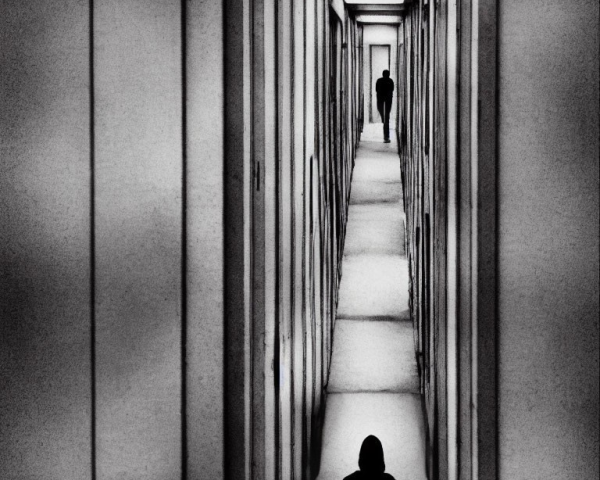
(45, 270)
(44, 236)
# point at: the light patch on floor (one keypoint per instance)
(374, 285)
(373, 356)
(374, 229)
(378, 167)
(373, 132)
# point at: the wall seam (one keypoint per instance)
(485, 302)
(92, 245)
(234, 201)
(184, 238)
(293, 192)
(277, 244)
(496, 244)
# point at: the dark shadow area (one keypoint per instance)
(370, 461)
(403, 317)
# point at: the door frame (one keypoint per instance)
(389, 50)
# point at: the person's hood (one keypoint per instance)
(370, 459)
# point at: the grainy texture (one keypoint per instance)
(44, 241)
(138, 238)
(373, 356)
(205, 239)
(548, 239)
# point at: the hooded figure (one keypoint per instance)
(370, 461)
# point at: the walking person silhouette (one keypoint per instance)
(370, 461)
(385, 93)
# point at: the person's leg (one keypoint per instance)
(386, 122)
(386, 127)
(381, 109)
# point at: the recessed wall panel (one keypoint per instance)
(377, 35)
(380, 61)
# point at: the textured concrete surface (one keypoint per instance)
(373, 385)
(45, 401)
(374, 286)
(374, 270)
(373, 356)
(548, 240)
(376, 229)
(204, 180)
(376, 176)
(138, 172)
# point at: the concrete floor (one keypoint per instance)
(373, 385)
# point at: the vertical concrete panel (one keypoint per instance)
(438, 417)
(285, 225)
(299, 186)
(138, 238)
(548, 244)
(204, 219)
(316, 206)
(271, 255)
(326, 184)
(235, 236)
(262, 389)
(45, 368)
(309, 148)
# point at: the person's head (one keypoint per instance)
(386, 73)
(370, 459)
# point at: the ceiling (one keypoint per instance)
(374, 11)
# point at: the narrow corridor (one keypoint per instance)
(178, 183)
(373, 385)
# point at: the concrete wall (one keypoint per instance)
(170, 213)
(204, 253)
(548, 240)
(298, 159)
(138, 241)
(424, 163)
(45, 314)
(543, 383)
(111, 234)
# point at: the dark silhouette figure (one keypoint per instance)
(385, 94)
(370, 461)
